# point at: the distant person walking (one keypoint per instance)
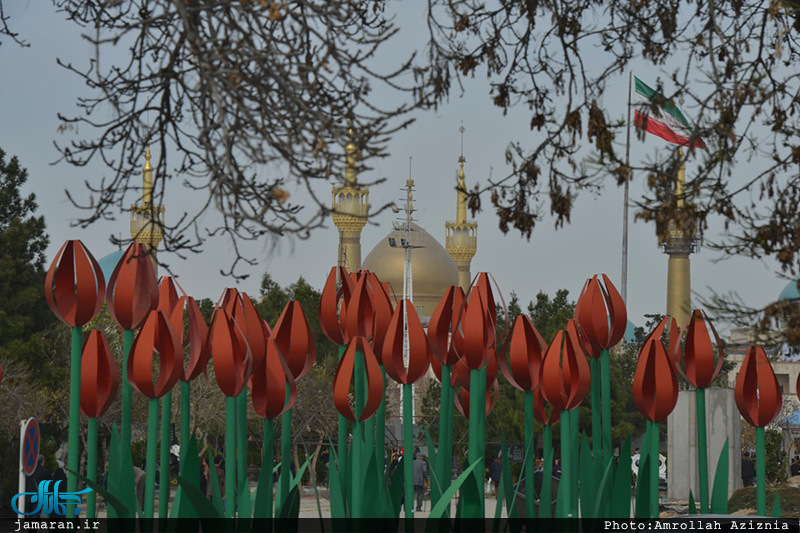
(420, 477)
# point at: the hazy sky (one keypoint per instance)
(34, 88)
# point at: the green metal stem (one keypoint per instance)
(546, 498)
(266, 462)
(605, 385)
(150, 465)
(530, 455)
(185, 415)
(442, 459)
(185, 431)
(360, 378)
(163, 480)
(380, 433)
(341, 444)
(408, 451)
(702, 450)
(594, 365)
(91, 467)
(653, 428)
(447, 389)
(574, 436)
(74, 413)
(127, 390)
(241, 443)
(566, 462)
(230, 456)
(482, 433)
(761, 480)
(476, 405)
(286, 456)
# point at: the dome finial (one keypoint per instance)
(461, 188)
(147, 179)
(351, 154)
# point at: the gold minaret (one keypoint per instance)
(461, 236)
(680, 244)
(350, 208)
(147, 220)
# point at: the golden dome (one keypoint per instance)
(433, 269)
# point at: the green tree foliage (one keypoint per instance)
(273, 298)
(776, 459)
(23, 242)
(550, 315)
(34, 346)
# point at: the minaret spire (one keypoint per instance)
(147, 219)
(461, 235)
(147, 179)
(350, 206)
(680, 244)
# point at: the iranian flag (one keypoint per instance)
(658, 115)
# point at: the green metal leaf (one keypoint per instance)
(620, 504)
(202, 506)
(588, 490)
(243, 499)
(190, 472)
(396, 488)
(602, 490)
(371, 489)
(776, 506)
(719, 492)
(692, 504)
(262, 507)
(643, 490)
(291, 507)
(216, 493)
(467, 480)
(121, 481)
(335, 488)
(111, 500)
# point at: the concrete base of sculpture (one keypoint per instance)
(722, 421)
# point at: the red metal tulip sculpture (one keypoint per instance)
(703, 360)
(292, 336)
(358, 354)
(522, 369)
(565, 381)
(244, 313)
(441, 331)
(474, 341)
(190, 327)
(74, 289)
(132, 293)
(332, 311)
(759, 399)
(155, 335)
(99, 386)
(233, 362)
(406, 369)
(602, 318)
(655, 393)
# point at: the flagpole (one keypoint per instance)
(625, 200)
